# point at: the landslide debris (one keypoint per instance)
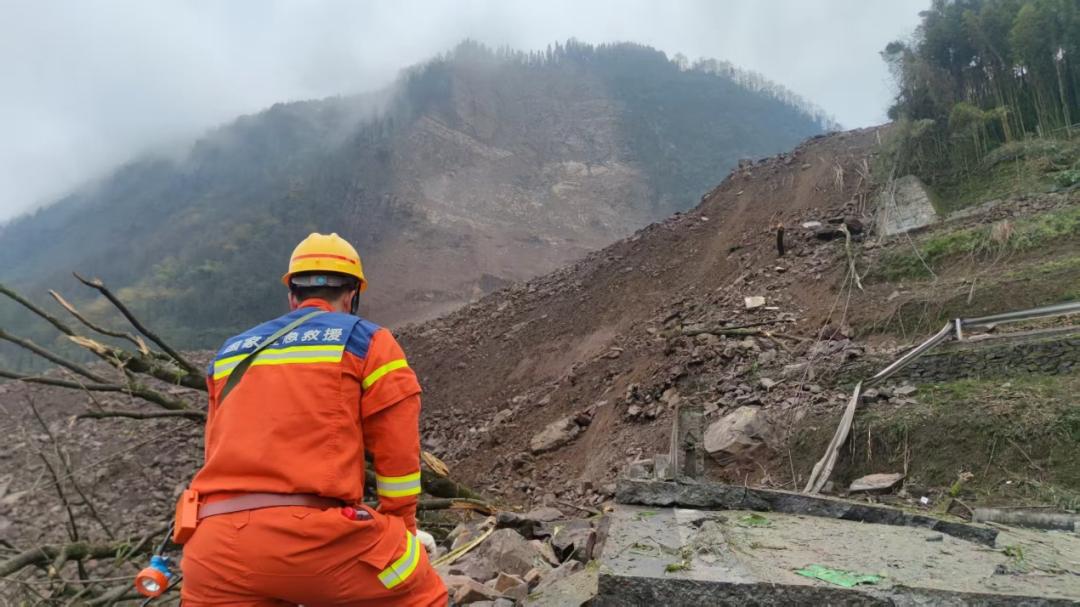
(544, 390)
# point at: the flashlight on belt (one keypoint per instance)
(153, 580)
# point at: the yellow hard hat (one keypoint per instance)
(323, 253)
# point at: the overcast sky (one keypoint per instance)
(86, 85)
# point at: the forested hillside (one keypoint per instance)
(474, 169)
(984, 87)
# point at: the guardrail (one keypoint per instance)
(824, 466)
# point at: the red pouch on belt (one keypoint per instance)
(187, 516)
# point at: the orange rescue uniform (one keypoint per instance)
(299, 422)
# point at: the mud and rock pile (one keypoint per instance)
(545, 390)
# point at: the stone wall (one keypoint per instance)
(1046, 353)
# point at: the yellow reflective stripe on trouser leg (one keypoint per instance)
(401, 569)
(398, 486)
(383, 370)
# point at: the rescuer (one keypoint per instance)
(275, 515)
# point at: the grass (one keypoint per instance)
(979, 242)
(1036, 165)
(1013, 442)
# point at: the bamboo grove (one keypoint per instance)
(978, 74)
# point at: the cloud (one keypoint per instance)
(89, 85)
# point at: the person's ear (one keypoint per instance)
(293, 304)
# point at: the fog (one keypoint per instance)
(89, 85)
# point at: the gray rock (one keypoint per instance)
(474, 567)
(470, 592)
(753, 302)
(544, 514)
(575, 543)
(501, 417)
(561, 572)
(906, 390)
(508, 552)
(555, 435)
(738, 434)
(873, 483)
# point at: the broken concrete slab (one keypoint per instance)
(727, 497)
(690, 557)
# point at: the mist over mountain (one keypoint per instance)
(475, 169)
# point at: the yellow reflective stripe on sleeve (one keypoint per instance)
(296, 355)
(375, 375)
(401, 569)
(398, 486)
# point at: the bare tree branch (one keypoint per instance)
(192, 414)
(135, 339)
(455, 504)
(66, 330)
(101, 288)
(134, 389)
(47, 355)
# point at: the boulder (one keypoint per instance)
(469, 591)
(561, 572)
(505, 581)
(738, 434)
(555, 435)
(475, 567)
(546, 551)
(508, 552)
(873, 483)
(576, 542)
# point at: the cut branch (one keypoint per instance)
(167, 373)
(101, 288)
(135, 339)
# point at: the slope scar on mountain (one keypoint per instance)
(430, 126)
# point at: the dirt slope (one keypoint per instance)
(594, 340)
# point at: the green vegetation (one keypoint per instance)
(980, 242)
(1010, 440)
(755, 520)
(979, 75)
(1021, 167)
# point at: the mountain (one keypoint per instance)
(473, 170)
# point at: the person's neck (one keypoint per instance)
(322, 304)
